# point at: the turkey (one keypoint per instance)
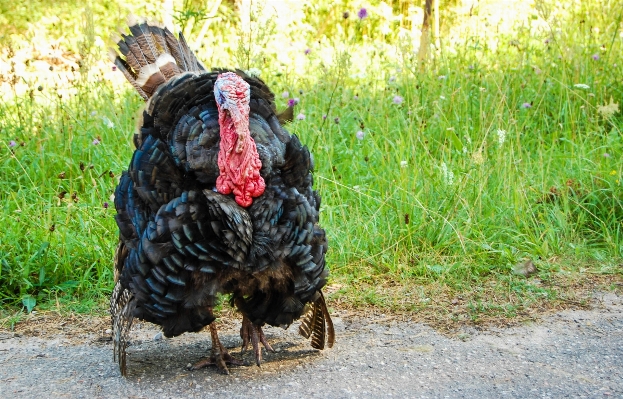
(217, 200)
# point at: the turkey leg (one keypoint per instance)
(250, 332)
(219, 357)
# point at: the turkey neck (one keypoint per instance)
(235, 137)
(238, 160)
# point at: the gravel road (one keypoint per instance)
(570, 354)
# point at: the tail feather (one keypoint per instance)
(144, 38)
(317, 323)
(126, 69)
(151, 55)
(121, 307)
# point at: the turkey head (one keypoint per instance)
(238, 161)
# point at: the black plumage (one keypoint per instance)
(181, 242)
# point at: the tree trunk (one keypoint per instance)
(422, 55)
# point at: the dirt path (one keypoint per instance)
(570, 354)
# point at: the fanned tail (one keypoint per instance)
(121, 307)
(317, 323)
(151, 55)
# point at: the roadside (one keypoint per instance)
(573, 353)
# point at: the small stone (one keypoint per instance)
(158, 336)
(525, 269)
(108, 331)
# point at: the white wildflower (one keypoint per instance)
(254, 72)
(403, 164)
(448, 175)
(581, 86)
(107, 122)
(501, 136)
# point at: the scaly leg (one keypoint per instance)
(249, 332)
(219, 356)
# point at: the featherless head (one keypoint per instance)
(233, 94)
(238, 159)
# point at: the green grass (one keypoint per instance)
(431, 210)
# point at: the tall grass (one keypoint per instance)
(435, 181)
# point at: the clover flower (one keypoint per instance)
(403, 164)
(360, 135)
(307, 51)
(12, 143)
(300, 117)
(363, 13)
(285, 94)
(595, 57)
(96, 142)
(398, 100)
(526, 105)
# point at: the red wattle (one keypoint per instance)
(238, 161)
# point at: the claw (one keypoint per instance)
(250, 332)
(219, 357)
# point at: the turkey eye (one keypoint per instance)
(221, 98)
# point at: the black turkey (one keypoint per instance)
(217, 200)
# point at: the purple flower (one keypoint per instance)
(300, 117)
(606, 155)
(114, 67)
(360, 135)
(105, 205)
(307, 51)
(595, 57)
(291, 102)
(398, 100)
(12, 143)
(526, 105)
(96, 142)
(285, 94)
(324, 117)
(363, 13)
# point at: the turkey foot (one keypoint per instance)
(219, 357)
(250, 332)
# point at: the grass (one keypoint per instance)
(491, 155)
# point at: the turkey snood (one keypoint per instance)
(238, 161)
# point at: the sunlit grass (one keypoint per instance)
(435, 183)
